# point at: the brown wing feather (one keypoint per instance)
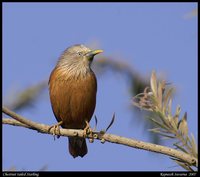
(73, 100)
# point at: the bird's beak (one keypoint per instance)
(92, 53)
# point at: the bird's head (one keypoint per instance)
(78, 55)
(76, 60)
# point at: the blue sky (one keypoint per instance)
(146, 35)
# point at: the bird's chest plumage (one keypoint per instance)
(73, 99)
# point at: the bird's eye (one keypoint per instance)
(79, 53)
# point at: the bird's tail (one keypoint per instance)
(77, 146)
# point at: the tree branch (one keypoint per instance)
(23, 122)
(15, 123)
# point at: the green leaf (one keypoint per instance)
(169, 107)
(166, 98)
(159, 124)
(154, 83)
(178, 110)
(163, 119)
(184, 165)
(176, 116)
(167, 136)
(172, 123)
(160, 95)
(158, 129)
(193, 145)
(182, 126)
(181, 148)
(154, 129)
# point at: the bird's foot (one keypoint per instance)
(87, 130)
(56, 129)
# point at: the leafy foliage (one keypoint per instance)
(158, 100)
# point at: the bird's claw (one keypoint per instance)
(87, 130)
(56, 129)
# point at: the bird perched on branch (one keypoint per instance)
(72, 90)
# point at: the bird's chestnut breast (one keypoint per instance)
(73, 99)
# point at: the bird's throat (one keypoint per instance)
(73, 71)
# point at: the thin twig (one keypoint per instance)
(98, 135)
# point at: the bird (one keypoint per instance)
(72, 91)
